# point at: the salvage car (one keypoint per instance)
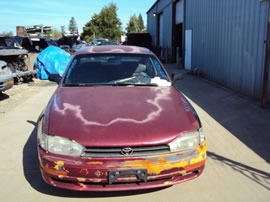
(16, 58)
(35, 43)
(98, 42)
(6, 77)
(116, 122)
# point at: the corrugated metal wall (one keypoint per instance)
(228, 41)
(152, 25)
(167, 14)
(268, 93)
(164, 6)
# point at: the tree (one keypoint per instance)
(132, 25)
(6, 34)
(55, 33)
(135, 24)
(72, 27)
(106, 24)
(63, 29)
(141, 26)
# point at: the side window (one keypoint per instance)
(2, 42)
(71, 68)
(9, 43)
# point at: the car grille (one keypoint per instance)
(118, 151)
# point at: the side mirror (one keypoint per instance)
(177, 77)
(55, 78)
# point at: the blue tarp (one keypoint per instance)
(52, 60)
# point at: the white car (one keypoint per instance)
(6, 77)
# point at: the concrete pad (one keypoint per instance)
(237, 168)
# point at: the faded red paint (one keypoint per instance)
(119, 117)
(114, 49)
(123, 116)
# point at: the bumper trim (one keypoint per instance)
(96, 185)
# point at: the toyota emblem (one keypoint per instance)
(126, 151)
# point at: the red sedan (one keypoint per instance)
(116, 122)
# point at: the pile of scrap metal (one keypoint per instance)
(6, 77)
(14, 55)
(34, 43)
(70, 43)
(104, 42)
(67, 41)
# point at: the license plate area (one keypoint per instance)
(113, 175)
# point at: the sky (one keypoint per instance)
(59, 12)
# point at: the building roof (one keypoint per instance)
(157, 1)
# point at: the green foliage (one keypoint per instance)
(63, 29)
(55, 33)
(135, 24)
(132, 25)
(72, 27)
(6, 34)
(106, 24)
(141, 24)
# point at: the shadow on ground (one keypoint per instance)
(33, 176)
(260, 177)
(3, 96)
(240, 115)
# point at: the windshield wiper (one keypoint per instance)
(133, 84)
(124, 82)
(86, 84)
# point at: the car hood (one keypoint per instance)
(119, 116)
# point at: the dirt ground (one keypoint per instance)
(20, 93)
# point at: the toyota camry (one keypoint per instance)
(117, 122)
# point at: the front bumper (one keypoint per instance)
(91, 174)
(6, 82)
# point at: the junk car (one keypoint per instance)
(116, 122)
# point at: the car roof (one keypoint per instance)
(114, 49)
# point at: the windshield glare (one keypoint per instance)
(115, 69)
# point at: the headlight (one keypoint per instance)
(58, 145)
(64, 146)
(187, 141)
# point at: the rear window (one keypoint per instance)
(112, 68)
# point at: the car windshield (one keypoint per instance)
(8, 42)
(11, 43)
(109, 43)
(115, 69)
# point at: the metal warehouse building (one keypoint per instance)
(225, 40)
